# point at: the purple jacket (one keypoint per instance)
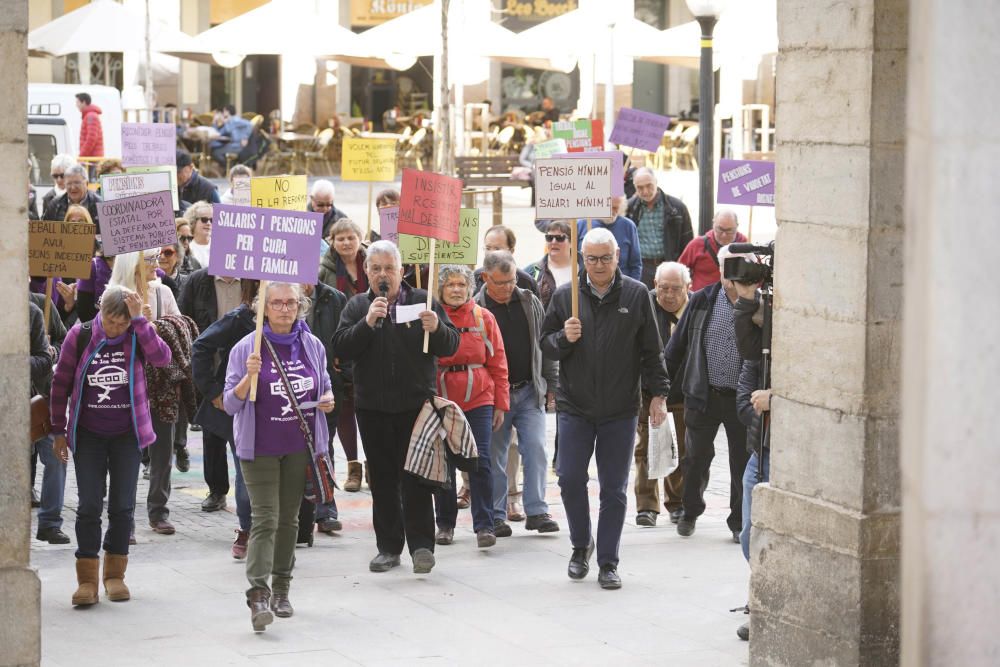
(244, 423)
(67, 383)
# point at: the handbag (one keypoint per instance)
(320, 481)
(41, 422)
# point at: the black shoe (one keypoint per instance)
(423, 561)
(195, 427)
(608, 577)
(501, 528)
(685, 527)
(736, 536)
(329, 526)
(646, 518)
(743, 632)
(182, 459)
(52, 536)
(213, 503)
(383, 562)
(675, 515)
(35, 500)
(579, 562)
(543, 523)
(307, 539)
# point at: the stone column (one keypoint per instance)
(20, 589)
(951, 365)
(825, 546)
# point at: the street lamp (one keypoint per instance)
(706, 12)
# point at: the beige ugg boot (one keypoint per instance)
(88, 571)
(114, 577)
(353, 481)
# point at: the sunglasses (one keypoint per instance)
(58, 175)
(555, 238)
(205, 220)
(167, 252)
(185, 239)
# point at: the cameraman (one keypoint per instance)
(748, 318)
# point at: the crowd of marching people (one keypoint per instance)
(157, 343)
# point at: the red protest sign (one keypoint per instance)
(430, 205)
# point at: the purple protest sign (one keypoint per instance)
(265, 243)
(639, 129)
(746, 182)
(388, 219)
(148, 144)
(617, 167)
(137, 223)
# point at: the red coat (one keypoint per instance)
(91, 134)
(490, 384)
(704, 267)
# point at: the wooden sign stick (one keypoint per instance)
(48, 302)
(368, 234)
(574, 274)
(430, 288)
(628, 161)
(750, 227)
(258, 333)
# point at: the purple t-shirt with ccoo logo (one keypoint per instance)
(276, 424)
(106, 407)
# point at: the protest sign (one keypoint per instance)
(417, 249)
(368, 159)
(639, 129)
(429, 205)
(580, 135)
(617, 168)
(265, 244)
(576, 188)
(147, 144)
(388, 220)
(746, 182)
(241, 190)
(120, 186)
(170, 169)
(550, 148)
(136, 223)
(61, 249)
(283, 192)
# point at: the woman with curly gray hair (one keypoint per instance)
(270, 441)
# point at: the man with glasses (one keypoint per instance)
(670, 298)
(519, 315)
(663, 221)
(501, 238)
(75, 182)
(625, 233)
(701, 255)
(392, 379)
(603, 352)
(57, 170)
(321, 201)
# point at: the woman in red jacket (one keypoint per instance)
(475, 378)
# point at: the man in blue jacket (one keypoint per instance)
(233, 136)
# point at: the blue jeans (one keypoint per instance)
(53, 485)
(612, 442)
(480, 479)
(750, 481)
(95, 457)
(242, 497)
(529, 419)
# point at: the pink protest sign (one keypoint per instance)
(137, 223)
(388, 218)
(148, 144)
(746, 182)
(430, 205)
(617, 167)
(639, 129)
(265, 243)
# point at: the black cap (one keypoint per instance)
(183, 159)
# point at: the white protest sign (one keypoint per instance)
(577, 188)
(120, 186)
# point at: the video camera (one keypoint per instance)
(741, 270)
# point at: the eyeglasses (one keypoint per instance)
(185, 239)
(503, 283)
(58, 175)
(288, 304)
(555, 238)
(167, 252)
(722, 231)
(603, 259)
(207, 220)
(151, 259)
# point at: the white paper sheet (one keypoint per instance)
(406, 314)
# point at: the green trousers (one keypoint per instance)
(275, 485)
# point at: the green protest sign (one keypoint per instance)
(417, 249)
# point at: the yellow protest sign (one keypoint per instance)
(416, 249)
(368, 159)
(60, 248)
(284, 192)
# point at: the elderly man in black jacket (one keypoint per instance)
(602, 355)
(663, 222)
(392, 379)
(703, 351)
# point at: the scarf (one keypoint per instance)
(293, 338)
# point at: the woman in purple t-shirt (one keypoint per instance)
(99, 409)
(270, 442)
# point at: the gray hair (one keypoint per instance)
(499, 260)
(127, 270)
(384, 248)
(77, 170)
(644, 171)
(449, 270)
(322, 187)
(113, 302)
(677, 267)
(726, 212)
(304, 301)
(62, 161)
(600, 236)
(191, 214)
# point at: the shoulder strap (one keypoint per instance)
(711, 251)
(83, 339)
(477, 312)
(294, 402)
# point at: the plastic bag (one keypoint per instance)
(662, 452)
